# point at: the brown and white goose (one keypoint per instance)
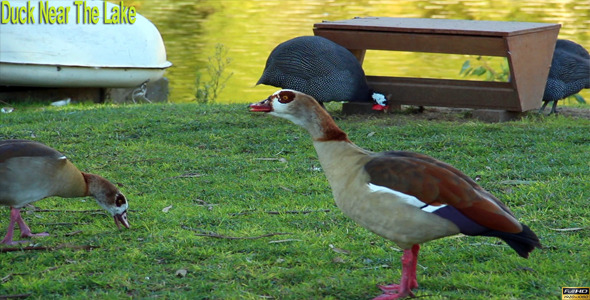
(31, 171)
(406, 197)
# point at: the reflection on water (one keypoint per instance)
(250, 29)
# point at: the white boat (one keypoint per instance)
(91, 52)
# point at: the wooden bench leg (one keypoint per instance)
(359, 54)
(529, 58)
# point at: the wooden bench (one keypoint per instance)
(528, 47)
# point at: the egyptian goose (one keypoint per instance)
(406, 197)
(320, 68)
(568, 75)
(31, 171)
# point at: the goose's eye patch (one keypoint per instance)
(286, 96)
(120, 200)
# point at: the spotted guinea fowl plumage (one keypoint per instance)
(318, 67)
(569, 73)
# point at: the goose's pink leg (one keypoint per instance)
(25, 231)
(8, 238)
(408, 281)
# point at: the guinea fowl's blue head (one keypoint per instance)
(380, 101)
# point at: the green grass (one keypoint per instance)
(225, 170)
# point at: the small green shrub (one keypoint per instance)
(481, 67)
(207, 91)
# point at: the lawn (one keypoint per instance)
(227, 204)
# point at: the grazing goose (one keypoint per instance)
(569, 73)
(321, 68)
(31, 171)
(406, 197)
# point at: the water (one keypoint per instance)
(250, 29)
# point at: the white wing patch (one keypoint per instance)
(409, 199)
(432, 208)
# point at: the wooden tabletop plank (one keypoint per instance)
(437, 26)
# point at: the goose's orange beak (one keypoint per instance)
(121, 219)
(262, 106)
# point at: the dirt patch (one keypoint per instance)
(577, 112)
(460, 114)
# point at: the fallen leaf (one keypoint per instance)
(36, 247)
(568, 229)
(62, 102)
(189, 175)
(338, 260)
(516, 182)
(338, 250)
(284, 241)
(166, 209)
(18, 296)
(73, 232)
(396, 249)
(283, 160)
(5, 278)
(7, 110)
(286, 188)
(50, 269)
(370, 134)
(203, 202)
(456, 236)
(220, 236)
(181, 273)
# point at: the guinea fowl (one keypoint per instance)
(321, 68)
(405, 197)
(31, 171)
(569, 73)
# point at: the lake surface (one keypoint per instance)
(249, 30)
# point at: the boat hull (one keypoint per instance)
(80, 55)
(13, 74)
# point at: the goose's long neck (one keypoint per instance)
(73, 183)
(339, 157)
(318, 123)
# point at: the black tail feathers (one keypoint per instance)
(523, 242)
